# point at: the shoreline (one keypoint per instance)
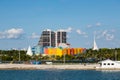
(53, 67)
(47, 67)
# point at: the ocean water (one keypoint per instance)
(59, 75)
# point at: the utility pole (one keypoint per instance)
(65, 47)
(64, 58)
(19, 56)
(115, 55)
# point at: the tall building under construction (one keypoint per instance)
(61, 37)
(50, 38)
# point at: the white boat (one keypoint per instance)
(109, 64)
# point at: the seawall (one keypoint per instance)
(44, 67)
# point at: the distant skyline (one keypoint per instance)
(22, 22)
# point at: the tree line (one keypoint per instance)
(88, 56)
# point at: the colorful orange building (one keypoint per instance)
(73, 51)
(60, 51)
(53, 51)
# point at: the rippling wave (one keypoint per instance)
(58, 75)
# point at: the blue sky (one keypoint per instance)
(22, 21)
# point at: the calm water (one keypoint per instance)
(58, 75)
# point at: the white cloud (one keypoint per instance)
(13, 33)
(95, 25)
(98, 24)
(34, 35)
(89, 26)
(113, 30)
(109, 37)
(107, 34)
(69, 29)
(104, 32)
(81, 33)
(68, 36)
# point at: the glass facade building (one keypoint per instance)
(61, 37)
(50, 38)
(47, 38)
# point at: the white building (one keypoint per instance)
(29, 51)
(63, 45)
(95, 45)
(109, 64)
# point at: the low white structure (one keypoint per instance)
(107, 64)
(49, 63)
(63, 45)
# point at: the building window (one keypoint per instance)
(108, 63)
(104, 63)
(112, 63)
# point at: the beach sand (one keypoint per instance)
(45, 66)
